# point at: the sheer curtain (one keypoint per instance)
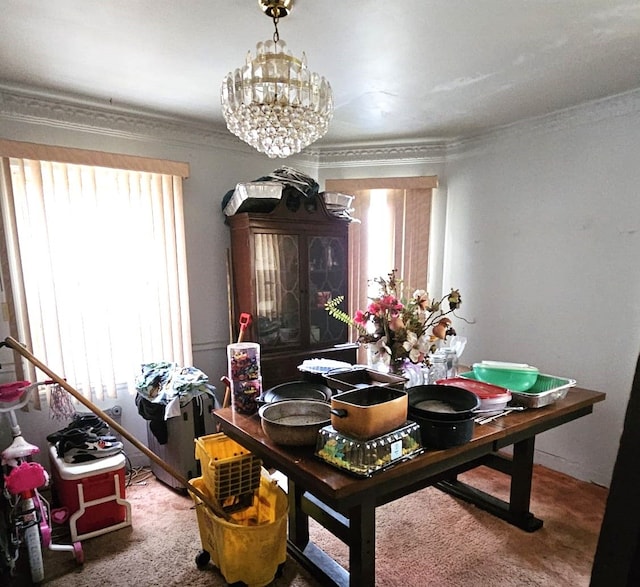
(267, 276)
(98, 270)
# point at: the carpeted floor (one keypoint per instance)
(425, 539)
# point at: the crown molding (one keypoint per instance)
(90, 116)
(437, 151)
(397, 153)
(84, 115)
(586, 114)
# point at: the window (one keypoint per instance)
(379, 236)
(97, 264)
(393, 233)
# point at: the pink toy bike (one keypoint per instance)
(27, 513)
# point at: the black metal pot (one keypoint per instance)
(295, 390)
(443, 402)
(445, 414)
(441, 434)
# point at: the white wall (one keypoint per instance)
(543, 238)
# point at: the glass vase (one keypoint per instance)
(377, 359)
(413, 373)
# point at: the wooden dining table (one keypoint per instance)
(346, 504)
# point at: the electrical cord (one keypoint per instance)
(137, 475)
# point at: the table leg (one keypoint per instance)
(362, 545)
(516, 511)
(298, 520)
(521, 477)
(357, 530)
(323, 568)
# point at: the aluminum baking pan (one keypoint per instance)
(255, 196)
(546, 390)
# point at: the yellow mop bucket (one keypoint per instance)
(228, 468)
(252, 546)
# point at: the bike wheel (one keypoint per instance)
(33, 543)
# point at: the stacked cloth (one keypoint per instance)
(163, 388)
(86, 438)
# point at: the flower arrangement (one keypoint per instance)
(402, 329)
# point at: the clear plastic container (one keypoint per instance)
(491, 397)
(452, 362)
(365, 457)
(243, 359)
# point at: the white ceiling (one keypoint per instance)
(409, 69)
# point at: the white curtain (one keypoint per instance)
(98, 270)
(267, 276)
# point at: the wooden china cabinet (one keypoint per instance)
(286, 264)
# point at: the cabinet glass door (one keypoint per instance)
(327, 280)
(277, 276)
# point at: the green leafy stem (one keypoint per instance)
(332, 308)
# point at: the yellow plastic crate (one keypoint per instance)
(252, 546)
(228, 469)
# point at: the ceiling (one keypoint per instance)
(410, 69)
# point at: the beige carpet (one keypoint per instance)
(426, 539)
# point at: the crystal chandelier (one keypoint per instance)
(274, 103)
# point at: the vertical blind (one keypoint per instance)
(98, 270)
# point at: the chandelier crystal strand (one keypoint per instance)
(274, 103)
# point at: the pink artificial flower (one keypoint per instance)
(360, 317)
(390, 302)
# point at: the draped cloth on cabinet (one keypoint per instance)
(268, 262)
